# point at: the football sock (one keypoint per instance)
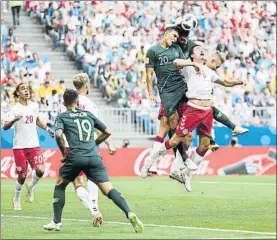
(159, 139)
(119, 200)
(18, 188)
(93, 192)
(222, 118)
(34, 180)
(183, 151)
(198, 156)
(58, 202)
(177, 161)
(84, 197)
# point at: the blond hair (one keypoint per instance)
(80, 80)
(221, 56)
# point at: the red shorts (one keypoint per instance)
(163, 114)
(192, 118)
(67, 150)
(22, 156)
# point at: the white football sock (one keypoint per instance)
(34, 180)
(177, 162)
(196, 158)
(18, 188)
(93, 192)
(155, 149)
(82, 194)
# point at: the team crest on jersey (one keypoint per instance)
(176, 54)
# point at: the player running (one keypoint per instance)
(81, 83)
(159, 59)
(24, 116)
(78, 126)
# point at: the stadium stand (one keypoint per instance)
(109, 40)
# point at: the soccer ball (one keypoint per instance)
(188, 22)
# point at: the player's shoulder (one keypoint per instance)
(154, 48)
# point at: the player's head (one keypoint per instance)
(171, 35)
(185, 25)
(22, 91)
(183, 36)
(198, 53)
(215, 60)
(81, 83)
(70, 98)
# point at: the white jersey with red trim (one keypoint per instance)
(25, 130)
(200, 84)
(86, 104)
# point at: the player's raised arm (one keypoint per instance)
(228, 83)
(149, 73)
(181, 63)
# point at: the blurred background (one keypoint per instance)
(46, 42)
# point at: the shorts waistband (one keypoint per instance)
(197, 106)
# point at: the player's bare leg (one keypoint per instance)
(107, 189)
(83, 195)
(36, 176)
(158, 141)
(18, 189)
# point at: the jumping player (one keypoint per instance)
(78, 126)
(197, 112)
(24, 116)
(159, 59)
(187, 45)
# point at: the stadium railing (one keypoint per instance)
(143, 123)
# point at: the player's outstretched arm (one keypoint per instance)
(228, 83)
(181, 63)
(9, 124)
(103, 136)
(43, 126)
(60, 141)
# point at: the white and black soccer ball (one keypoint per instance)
(188, 22)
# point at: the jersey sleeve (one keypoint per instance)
(150, 59)
(94, 110)
(59, 123)
(10, 115)
(98, 124)
(186, 72)
(215, 76)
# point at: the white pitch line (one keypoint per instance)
(151, 225)
(263, 237)
(237, 183)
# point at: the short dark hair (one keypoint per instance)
(191, 50)
(69, 97)
(171, 28)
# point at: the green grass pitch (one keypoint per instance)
(218, 207)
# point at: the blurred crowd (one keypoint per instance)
(20, 64)
(109, 41)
